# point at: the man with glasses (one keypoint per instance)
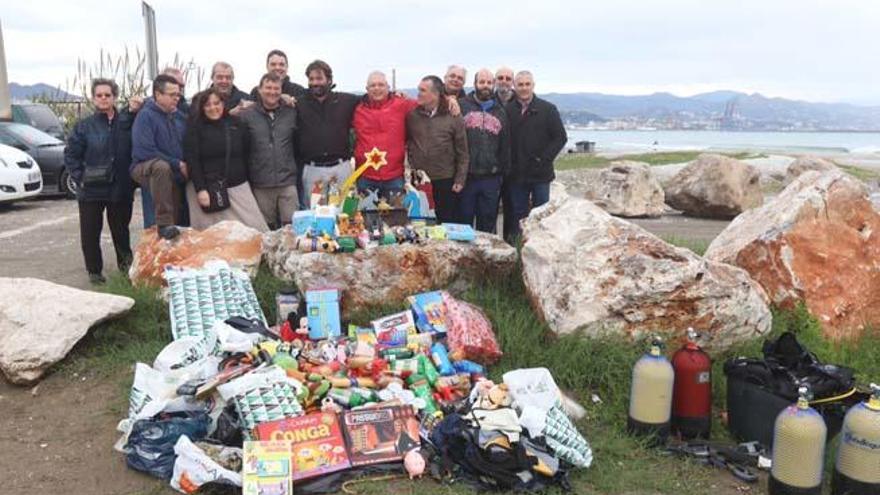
(157, 153)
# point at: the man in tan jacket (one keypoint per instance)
(437, 144)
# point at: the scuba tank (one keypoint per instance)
(857, 471)
(650, 401)
(692, 396)
(798, 450)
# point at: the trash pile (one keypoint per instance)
(342, 220)
(314, 404)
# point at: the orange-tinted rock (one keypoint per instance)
(231, 241)
(817, 242)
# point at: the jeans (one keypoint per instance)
(147, 206)
(445, 200)
(385, 187)
(523, 197)
(509, 225)
(479, 200)
(91, 222)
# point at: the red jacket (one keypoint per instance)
(382, 125)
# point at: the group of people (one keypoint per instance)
(254, 157)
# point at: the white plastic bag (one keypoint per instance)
(185, 351)
(533, 387)
(194, 468)
(232, 340)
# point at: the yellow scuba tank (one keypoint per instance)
(650, 401)
(798, 450)
(857, 471)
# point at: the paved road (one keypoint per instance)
(41, 239)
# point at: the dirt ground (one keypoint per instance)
(59, 437)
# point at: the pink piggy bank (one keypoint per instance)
(414, 463)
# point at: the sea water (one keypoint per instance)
(643, 141)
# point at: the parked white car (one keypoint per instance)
(20, 176)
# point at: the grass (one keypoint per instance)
(574, 161)
(582, 367)
(863, 174)
(698, 246)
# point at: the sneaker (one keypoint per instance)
(168, 232)
(97, 279)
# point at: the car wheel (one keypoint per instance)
(67, 185)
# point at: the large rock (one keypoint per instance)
(715, 186)
(40, 322)
(234, 242)
(818, 242)
(805, 164)
(584, 269)
(386, 275)
(627, 189)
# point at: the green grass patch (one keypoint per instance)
(861, 173)
(582, 367)
(698, 246)
(574, 161)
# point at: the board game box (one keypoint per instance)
(266, 469)
(317, 445)
(377, 435)
(430, 311)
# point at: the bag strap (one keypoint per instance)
(228, 150)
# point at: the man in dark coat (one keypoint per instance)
(537, 136)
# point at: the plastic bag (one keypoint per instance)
(470, 332)
(150, 446)
(194, 467)
(185, 351)
(532, 387)
(228, 427)
(232, 340)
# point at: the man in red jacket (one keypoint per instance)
(380, 121)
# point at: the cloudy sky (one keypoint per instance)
(809, 49)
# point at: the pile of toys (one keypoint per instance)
(342, 220)
(312, 403)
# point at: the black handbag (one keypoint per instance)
(98, 176)
(218, 189)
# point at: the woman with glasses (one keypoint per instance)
(98, 155)
(215, 147)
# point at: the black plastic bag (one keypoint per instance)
(229, 428)
(150, 447)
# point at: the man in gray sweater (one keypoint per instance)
(271, 163)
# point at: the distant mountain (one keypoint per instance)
(733, 109)
(26, 92)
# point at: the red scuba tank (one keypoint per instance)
(692, 393)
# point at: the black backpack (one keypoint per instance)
(758, 389)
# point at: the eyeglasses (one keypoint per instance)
(504, 78)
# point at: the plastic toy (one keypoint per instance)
(322, 307)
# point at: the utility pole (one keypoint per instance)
(5, 99)
(152, 51)
(393, 80)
